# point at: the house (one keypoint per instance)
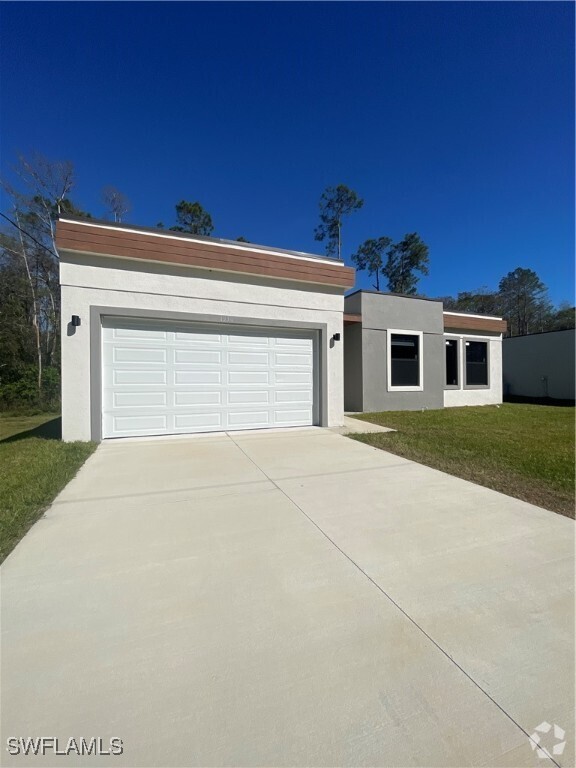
(540, 365)
(407, 353)
(169, 333)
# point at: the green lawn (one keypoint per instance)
(526, 451)
(34, 467)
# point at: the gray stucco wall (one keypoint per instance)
(379, 313)
(353, 400)
(375, 393)
(541, 365)
(383, 310)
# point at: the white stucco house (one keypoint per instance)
(169, 333)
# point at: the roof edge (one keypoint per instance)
(170, 234)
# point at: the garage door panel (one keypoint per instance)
(139, 355)
(197, 377)
(248, 377)
(251, 419)
(136, 399)
(248, 340)
(121, 377)
(293, 396)
(293, 417)
(197, 339)
(165, 379)
(197, 357)
(292, 360)
(135, 334)
(293, 377)
(140, 423)
(249, 359)
(197, 399)
(198, 421)
(240, 397)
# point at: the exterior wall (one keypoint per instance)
(379, 313)
(353, 399)
(540, 365)
(491, 395)
(89, 281)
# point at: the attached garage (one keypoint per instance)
(166, 333)
(169, 378)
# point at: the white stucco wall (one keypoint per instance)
(491, 395)
(89, 281)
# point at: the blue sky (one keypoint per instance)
(455, 120)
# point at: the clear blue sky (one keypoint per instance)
(455, 120)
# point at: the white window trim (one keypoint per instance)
(420, 334)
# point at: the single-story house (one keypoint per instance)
(167, 333)
(540, 365)
(407, 353)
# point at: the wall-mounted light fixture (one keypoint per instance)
(336, 337)
(75, 321)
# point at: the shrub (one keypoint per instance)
(21, 394)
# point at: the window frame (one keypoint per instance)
(390, 386)
(465, 384)
(458, 340)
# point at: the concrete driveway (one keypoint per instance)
(288, 599)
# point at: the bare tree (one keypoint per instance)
(116, 203)
(37, 201)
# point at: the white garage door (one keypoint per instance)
(162, 378)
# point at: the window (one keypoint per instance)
(476, 363)
(452, 362)
(404, 360)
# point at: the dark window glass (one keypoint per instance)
(451, 362)
(477, 363)
(404, 352)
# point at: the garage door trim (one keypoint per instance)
(98, 314)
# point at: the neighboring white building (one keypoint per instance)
(167, 333)
(540, 365)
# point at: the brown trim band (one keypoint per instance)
(350, 318)
(472, 323)
(135, 245)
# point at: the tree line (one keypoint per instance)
(30, 292)
(521, 298)
(29, 280)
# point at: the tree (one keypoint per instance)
(525, 303)
(30, 301)
(192, 218)
(335, 203)
(242, 240)
(481, 302)
(405, 258)
(370, 257)
(117, 204)
(563, 318)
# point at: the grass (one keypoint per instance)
(35, 466)
(526, 451)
